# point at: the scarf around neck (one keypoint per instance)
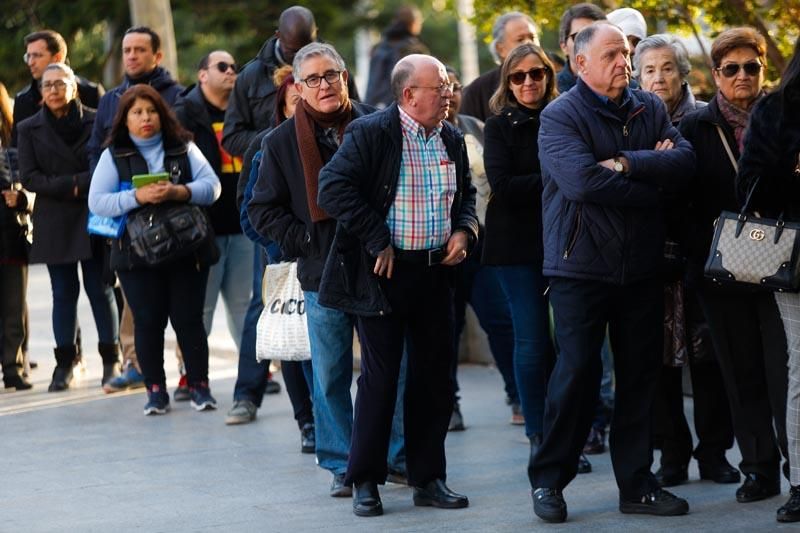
(70, 126)
(736, 116)
(305, 118)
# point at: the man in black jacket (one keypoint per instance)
(509, 31)
(399, 188)
(42, 48)
(284, 209)
(201, 110)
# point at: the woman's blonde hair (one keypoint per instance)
(503, 96)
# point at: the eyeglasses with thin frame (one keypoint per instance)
(536, 74)
(751, 68)
(572, 36)
(33, 55)
(314, 81)
(441, 88)
(223, 67)
(58, 85)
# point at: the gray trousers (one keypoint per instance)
(789, 306)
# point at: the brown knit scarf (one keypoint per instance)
(736, 116)
(305, 117)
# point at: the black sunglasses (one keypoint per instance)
(751, 68)
(536, 74)
(223, 66)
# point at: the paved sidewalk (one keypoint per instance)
(85, 461)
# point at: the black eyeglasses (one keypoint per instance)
(223, 66)
(332, 77)
(751, 68)
(536, 74)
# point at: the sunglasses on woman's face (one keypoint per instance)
(536, 74)
(751, 68)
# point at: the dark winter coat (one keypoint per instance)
(397, 43)
(514, 214)
(357, 188)
(252, 101)
(600, 224)
(279, 207)
(14, 223)
(29, 100)
(192, 111)
(772, 155)
(475, 99)
(51, 169)
(160, 80)
(713, 186)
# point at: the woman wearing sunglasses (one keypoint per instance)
(746, 329)
(772, 156)
(513, 241)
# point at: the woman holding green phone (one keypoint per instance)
(146, 138)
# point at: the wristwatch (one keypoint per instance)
(618, 167)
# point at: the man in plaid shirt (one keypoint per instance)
(400, 190)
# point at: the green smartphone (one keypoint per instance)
(140, 180)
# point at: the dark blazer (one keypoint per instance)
(713, 184)
(514, 214)
(51, 169)
(475, 99)
(279, 210)
(357, 187)
(599, 224)
(772, 155)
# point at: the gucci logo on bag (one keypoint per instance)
(757, 234)
(288, 307)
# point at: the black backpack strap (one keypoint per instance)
(176, 163)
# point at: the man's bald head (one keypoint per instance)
(405, 69)
(422, 89)
(296, 28)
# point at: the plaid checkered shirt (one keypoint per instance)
(419, 218)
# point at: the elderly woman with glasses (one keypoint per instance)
(513, 242)
(661, 65)
(745, 326)
(54, 164)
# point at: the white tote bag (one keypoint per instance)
(282, 331)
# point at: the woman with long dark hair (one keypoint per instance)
(54, 164)
(770, 165)
(146, 138)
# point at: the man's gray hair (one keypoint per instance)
(499, 31)
(314, 50)
(660, 41)
(63, 67)
(586, 36)
(401, 73)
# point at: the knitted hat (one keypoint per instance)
(630, 21)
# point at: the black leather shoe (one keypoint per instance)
(719, 471)
(61, 379)
(338, 488)
(436, 494)
(669, 476)
(755, 488)
(456, 420)
(308, 439)
(15, 381)
(549, 505)
(790, 511)
(659, 502)
(367, 500)
(584, 466)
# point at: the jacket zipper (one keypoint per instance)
(625, 130)
(573, 238)
(625, 133)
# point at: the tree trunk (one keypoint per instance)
(157, 15)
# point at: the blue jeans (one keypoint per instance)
(231, 277)
(330, 333)
(66, 290)
(251, 377)
(524, 287)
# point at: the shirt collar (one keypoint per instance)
(608, 102)
(414, 128)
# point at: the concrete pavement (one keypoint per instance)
(86, 461)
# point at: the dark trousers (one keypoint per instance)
(634, 316)
(176, 292)
(421, 303)
(13, 289)
(750, 344)
(251, 376)
(297, 376)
